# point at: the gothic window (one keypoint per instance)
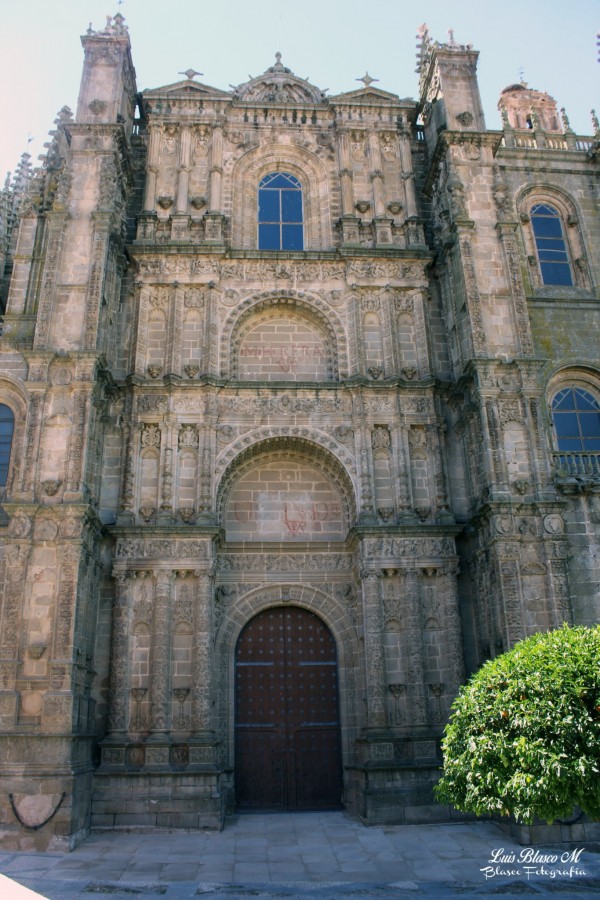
(576, 416)
(7, 426)
(280, 216)
(550, 245)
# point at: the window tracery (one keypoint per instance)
(7, 427)
(551, 246)
(553, 240)
(576, 417)
(280, 212)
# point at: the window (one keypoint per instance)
(280, 213)
(7, 426)
(551, 246)
(576, 415)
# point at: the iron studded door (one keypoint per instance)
(287, 732)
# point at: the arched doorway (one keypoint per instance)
(287, 730)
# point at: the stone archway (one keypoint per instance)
(285, 489)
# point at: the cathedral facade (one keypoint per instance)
(299, 424)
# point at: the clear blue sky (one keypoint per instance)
(331, 41)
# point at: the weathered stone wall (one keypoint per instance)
(205, 429)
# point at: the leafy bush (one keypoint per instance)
(524, 735)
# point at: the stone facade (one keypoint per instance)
(205, 430)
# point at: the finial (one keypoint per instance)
(522, 76)
(451, 36)
(565, 119)
(190, 74)
(595, 123)
(366, 79)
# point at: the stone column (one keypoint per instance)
(202, 652)
(168, 444)
(32, 441)
(174, 350)
(421, 333)
(374, 649)
(436, 433)
(495, 469)
(349, 220)
(55, 233)
(131, 439)
(367, 509)
(76, 456)
(119, 656)
(452, 635)
(101, 221)
(216, 169)
(184, 172)
(160, 699)
(417, 703)
(152, 171)
(508, 233)
(345, 174)
(378, 199)
(213, 220)
(477, 335)
(17, 556)
(511, 595)
(401, 466)
(407, 175)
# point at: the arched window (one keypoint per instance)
(576, 415)
(7, 427)
(551, 246)
(280, 213)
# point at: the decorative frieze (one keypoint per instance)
(259, 272)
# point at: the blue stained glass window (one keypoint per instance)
(280, 216)
(551, 246)
(7, 427)
(576, 415)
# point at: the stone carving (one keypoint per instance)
(344, 433)
(288, 562)
(380, 438)
(19, 526)
(97, 107)
(45, 530)
(225, 433)
(188, 437)
(128, 548)
(377, 404)
(415, 548)
(51, 486)
(503, 524)
(150, 436)
(417, 440)
(108, 184)
(554, 524)
(510, 411)
(285, 404)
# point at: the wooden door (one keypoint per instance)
(287, 731)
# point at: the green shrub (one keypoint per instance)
(524, 735)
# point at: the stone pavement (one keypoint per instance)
(313, 856)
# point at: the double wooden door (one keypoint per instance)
(287, 730)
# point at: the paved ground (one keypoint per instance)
(313, 856)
